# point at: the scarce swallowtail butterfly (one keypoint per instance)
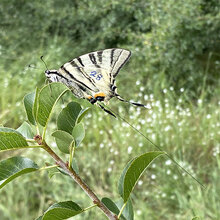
(92, 76)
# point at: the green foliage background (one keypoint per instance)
(175, 65)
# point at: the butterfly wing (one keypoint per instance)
(96, 71)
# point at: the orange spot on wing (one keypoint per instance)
(100, 94)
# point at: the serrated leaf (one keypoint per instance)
(64, 140)
(11, 139)
(68, 116)
(81, 115)
(62, 210)
(28, 104)
(47, 99)
(133, 171)
(14, 167)
(78, 134)
(26, 130)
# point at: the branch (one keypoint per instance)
(80, 182)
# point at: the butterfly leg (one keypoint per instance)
(48, 82)
(110, 113)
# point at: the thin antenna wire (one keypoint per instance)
(159, 148)
(44, 62)
(33, 67)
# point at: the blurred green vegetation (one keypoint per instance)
(175, 65)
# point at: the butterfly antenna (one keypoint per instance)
(155, 145)
(33, 67)
(148, 106)
(44, 62)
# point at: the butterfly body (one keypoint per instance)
(92, 76)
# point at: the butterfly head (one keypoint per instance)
(52, 75)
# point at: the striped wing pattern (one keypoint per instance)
(109, 59)
(92, 76)
(86, 70)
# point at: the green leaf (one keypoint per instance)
(196, 218)
(81, 115)
(110, 205)
(26, 130)
(62, 210)
(63, 172)
(64, 140)
(132, 172)
(51, 171)
(28, 104)
(121, 179)
(78, 134)
(6, 129)
(75, 166)
(68, 117)
(47, 99)
(14, 167)
(35, 105)
(115, 208)
(128, 211)
(11, 139)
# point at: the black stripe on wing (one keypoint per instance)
(80, 61)
(99, 54)
(78, 82)
(80, 70)
(93, 59)
(58, 74)
(125, 59)
(112, 56)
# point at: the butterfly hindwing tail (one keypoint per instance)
(132, 103)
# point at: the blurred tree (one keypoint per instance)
(177, 39)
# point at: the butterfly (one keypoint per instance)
(92, 76)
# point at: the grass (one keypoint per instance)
(186, 128)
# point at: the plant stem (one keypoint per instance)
(37, 128)
(72, 152)
(44, 133)
(48, 167)
(80, 182)
(122, 208)
(90, 207)
(31, 140)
